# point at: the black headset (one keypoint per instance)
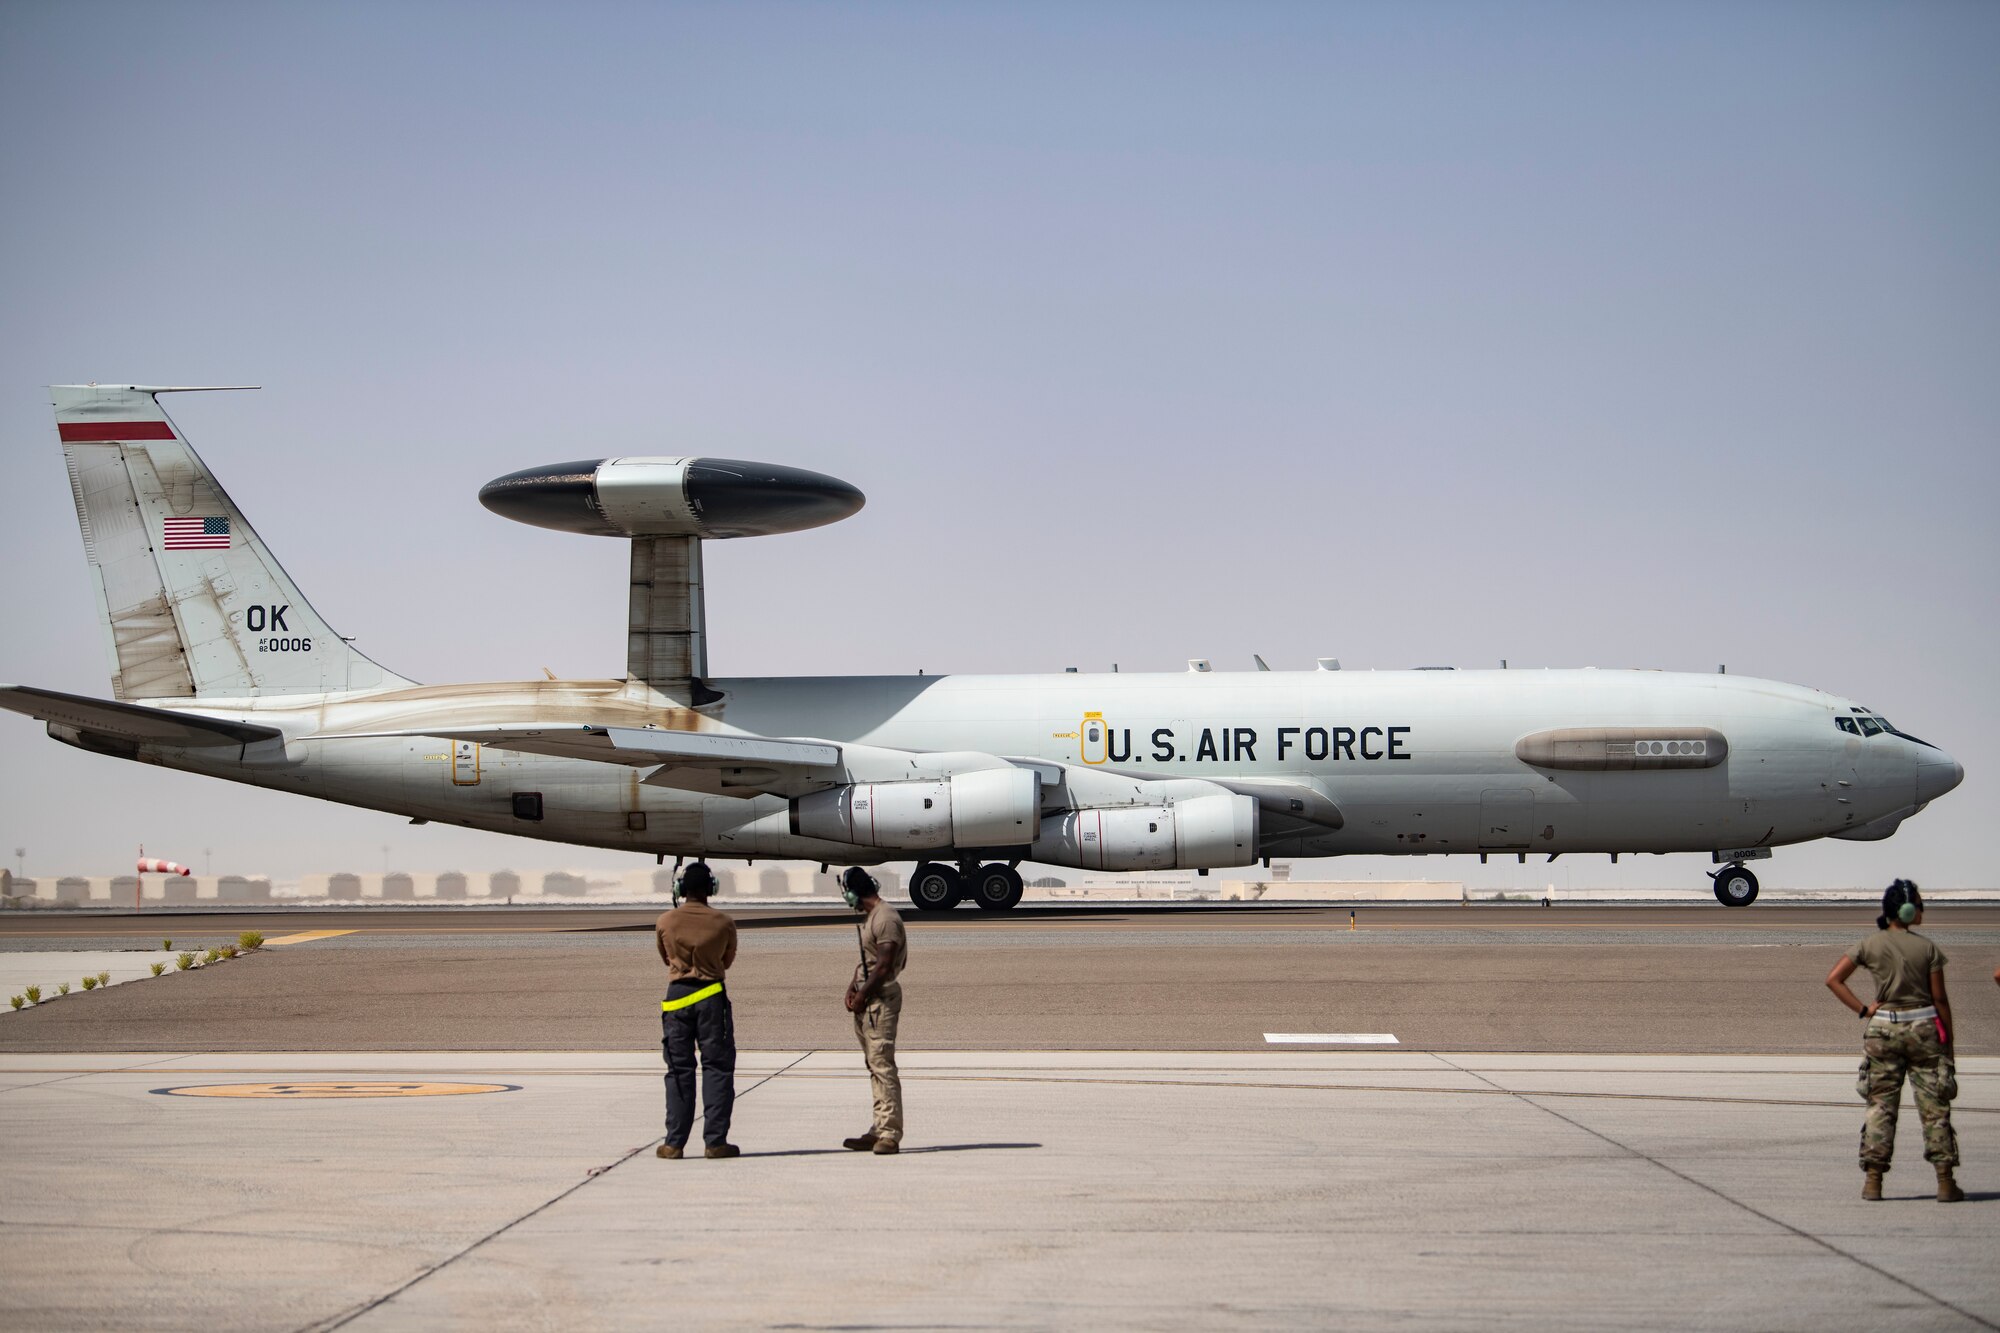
(697, 876)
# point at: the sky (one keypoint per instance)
(1627, 335)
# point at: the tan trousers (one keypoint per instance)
(875, 1029)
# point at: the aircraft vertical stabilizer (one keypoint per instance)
(191, 601)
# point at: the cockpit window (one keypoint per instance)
(1848, 725)
(1870, 727)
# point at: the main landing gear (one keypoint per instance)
(1735, 886)
(994, 887)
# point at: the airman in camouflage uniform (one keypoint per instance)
(1906, 1035)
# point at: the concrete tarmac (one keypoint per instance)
(1037, 1190)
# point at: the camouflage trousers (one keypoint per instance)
(1895, 1051)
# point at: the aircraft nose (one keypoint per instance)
(1937, 776)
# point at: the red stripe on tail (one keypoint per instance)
(92, 432)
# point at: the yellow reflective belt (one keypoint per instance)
(694, 997)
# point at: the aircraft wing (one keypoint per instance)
(1288, 798)
(690, 760)
(131, 722)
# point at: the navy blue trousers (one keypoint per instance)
(708, 1027)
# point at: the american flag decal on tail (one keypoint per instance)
(197, 534)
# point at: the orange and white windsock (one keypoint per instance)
(152, 866)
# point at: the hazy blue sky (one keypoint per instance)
(1408, 334)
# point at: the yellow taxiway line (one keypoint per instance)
(305, 935)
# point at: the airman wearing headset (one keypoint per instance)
(697, 943)
(875, 998)
(1907, 1034)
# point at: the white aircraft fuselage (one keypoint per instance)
(1415, 761)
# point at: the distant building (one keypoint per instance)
(451, 884)
(503, 884)
(343, 886)
(399, 887)
(240, 889)
(564, 883)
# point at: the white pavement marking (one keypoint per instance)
(1331, 1038)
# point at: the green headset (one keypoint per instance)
(853, 881)
(1902, 901)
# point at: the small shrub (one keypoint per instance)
(104, 978)
(16, 1000)
(211, 955)
(159, 968)
(62, 988)
(229, 951)
(90, 983)
(34, 994)
(184, 962)
(166, 946)
(250, 940)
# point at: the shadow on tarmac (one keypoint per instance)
(906, 1152)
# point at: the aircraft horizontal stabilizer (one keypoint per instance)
(130, 722)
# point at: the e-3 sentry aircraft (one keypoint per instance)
(220, 666)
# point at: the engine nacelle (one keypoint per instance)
(986, 809)
(1197, 833)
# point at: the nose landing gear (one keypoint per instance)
(1735, 886)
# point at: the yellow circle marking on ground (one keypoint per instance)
(336, 1091)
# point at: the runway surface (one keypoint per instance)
(1667, 980)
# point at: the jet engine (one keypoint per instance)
(986, 809)
(1195, 833)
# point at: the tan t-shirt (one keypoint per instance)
(697, 941)
(883, 926)
(1902, 962)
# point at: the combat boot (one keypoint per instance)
(667, 1151)
(1948, 1190)
(860, 1142)
(1871, 1184)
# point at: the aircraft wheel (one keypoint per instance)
(1736, 887)
(996, 887)
(935, 888)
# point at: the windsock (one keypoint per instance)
(152, 866)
